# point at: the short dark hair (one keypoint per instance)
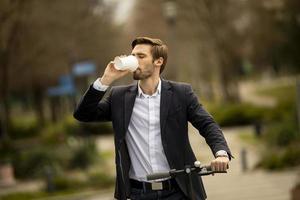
(159, 49)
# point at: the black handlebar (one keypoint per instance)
(156, 176)
(201, 171)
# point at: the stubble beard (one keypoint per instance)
(139, 75)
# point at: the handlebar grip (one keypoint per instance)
(159, 175)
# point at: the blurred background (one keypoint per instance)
(241, 57)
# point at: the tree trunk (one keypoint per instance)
(38, 100)
(5, 111)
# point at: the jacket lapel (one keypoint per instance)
(129, 100)
(165, 101)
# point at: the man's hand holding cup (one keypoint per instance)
(118, 68)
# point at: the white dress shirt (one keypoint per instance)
(143, 136)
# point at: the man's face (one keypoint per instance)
(146, 66)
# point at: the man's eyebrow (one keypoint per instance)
(139, 54)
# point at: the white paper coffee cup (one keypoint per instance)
(124, 63)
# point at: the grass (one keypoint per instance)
(107, 154)
(63, 195)
(281, 92)
(33, 195)
(249, 137)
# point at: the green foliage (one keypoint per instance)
(32, 163)
(282, 133)
(24, 196)
(249, 137)
(100, 180)
(286, 103)
(96, 128)
(71, 126)
(84, 155)
(272, 161)
(6, 151)
(22, 127)
(59, 132)
(66, 185)
(63, 183)
(56, 133)
(94, 180)
(282, 92)
(237, 114)
(243, 113)
(282, 129)
(276, 159)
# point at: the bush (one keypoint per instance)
(64, 183)
(84, 155)
(96, 128)
(291, 156)
(94, 180)
(6, 151)
(23, 127)
(237, 114)
(282, 133)
(276, 159)
(271, 161)
(283, 111)
(32, 163)
(100, 180)
(70, 127)
(73, 127)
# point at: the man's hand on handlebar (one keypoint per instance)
(220, 164)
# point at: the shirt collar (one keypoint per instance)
(157, 92)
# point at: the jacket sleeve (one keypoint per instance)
(94, 106)
(205, 123)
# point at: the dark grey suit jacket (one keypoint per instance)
(179, 105)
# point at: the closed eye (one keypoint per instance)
(139, 55)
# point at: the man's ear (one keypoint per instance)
(159, 61)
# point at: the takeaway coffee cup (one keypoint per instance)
(127, 62)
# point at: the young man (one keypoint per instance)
(150, 121)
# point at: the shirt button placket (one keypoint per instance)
(151, 136)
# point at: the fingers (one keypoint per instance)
(111, 64)
(220, 164)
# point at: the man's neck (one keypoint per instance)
(149, 85)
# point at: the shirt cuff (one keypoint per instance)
(221, 153)
(99, 86)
